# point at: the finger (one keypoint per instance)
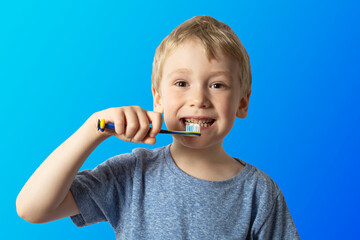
(149, 140)
(132, 123)
(144, 126)
(119, 123)
(156, 122)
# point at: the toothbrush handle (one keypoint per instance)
(111, 126)
(166, 131)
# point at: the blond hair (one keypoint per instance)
(212, 34)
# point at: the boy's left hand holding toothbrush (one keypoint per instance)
(132, 123)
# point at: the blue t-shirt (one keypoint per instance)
(144, 195)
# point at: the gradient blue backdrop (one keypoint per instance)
(61, 61)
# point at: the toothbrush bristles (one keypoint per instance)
(193, 127)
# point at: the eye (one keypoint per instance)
(217, 85)
(181, 84)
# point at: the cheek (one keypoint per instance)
(170, 110)
(169, 102)
(228, 108)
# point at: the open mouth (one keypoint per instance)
(201, 122)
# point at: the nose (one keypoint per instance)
(199, 98)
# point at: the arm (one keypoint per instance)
(46, 196)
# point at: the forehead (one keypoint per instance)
(192, 57)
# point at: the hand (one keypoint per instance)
(132, 124)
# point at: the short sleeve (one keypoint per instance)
(279, 223)
(100, 192)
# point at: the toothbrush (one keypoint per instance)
(191, 130)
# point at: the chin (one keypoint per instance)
(196, 142)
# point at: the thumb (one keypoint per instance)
(149, 140)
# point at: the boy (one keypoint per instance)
(191, 189)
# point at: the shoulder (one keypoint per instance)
(137, 154)
(254, 175)
(267, 199)
(264, 186)
(138, 158)
(122, 169)
(270, 214)
(261, 189)
(145, 153)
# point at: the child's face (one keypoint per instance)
(194, 89)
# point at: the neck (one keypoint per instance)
(211, 154)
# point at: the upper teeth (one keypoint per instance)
(202, 123)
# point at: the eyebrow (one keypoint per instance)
(189, 71)
(180, 70)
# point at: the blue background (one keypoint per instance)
(61, 61)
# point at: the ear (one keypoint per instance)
(243, 105)
(158, 107)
